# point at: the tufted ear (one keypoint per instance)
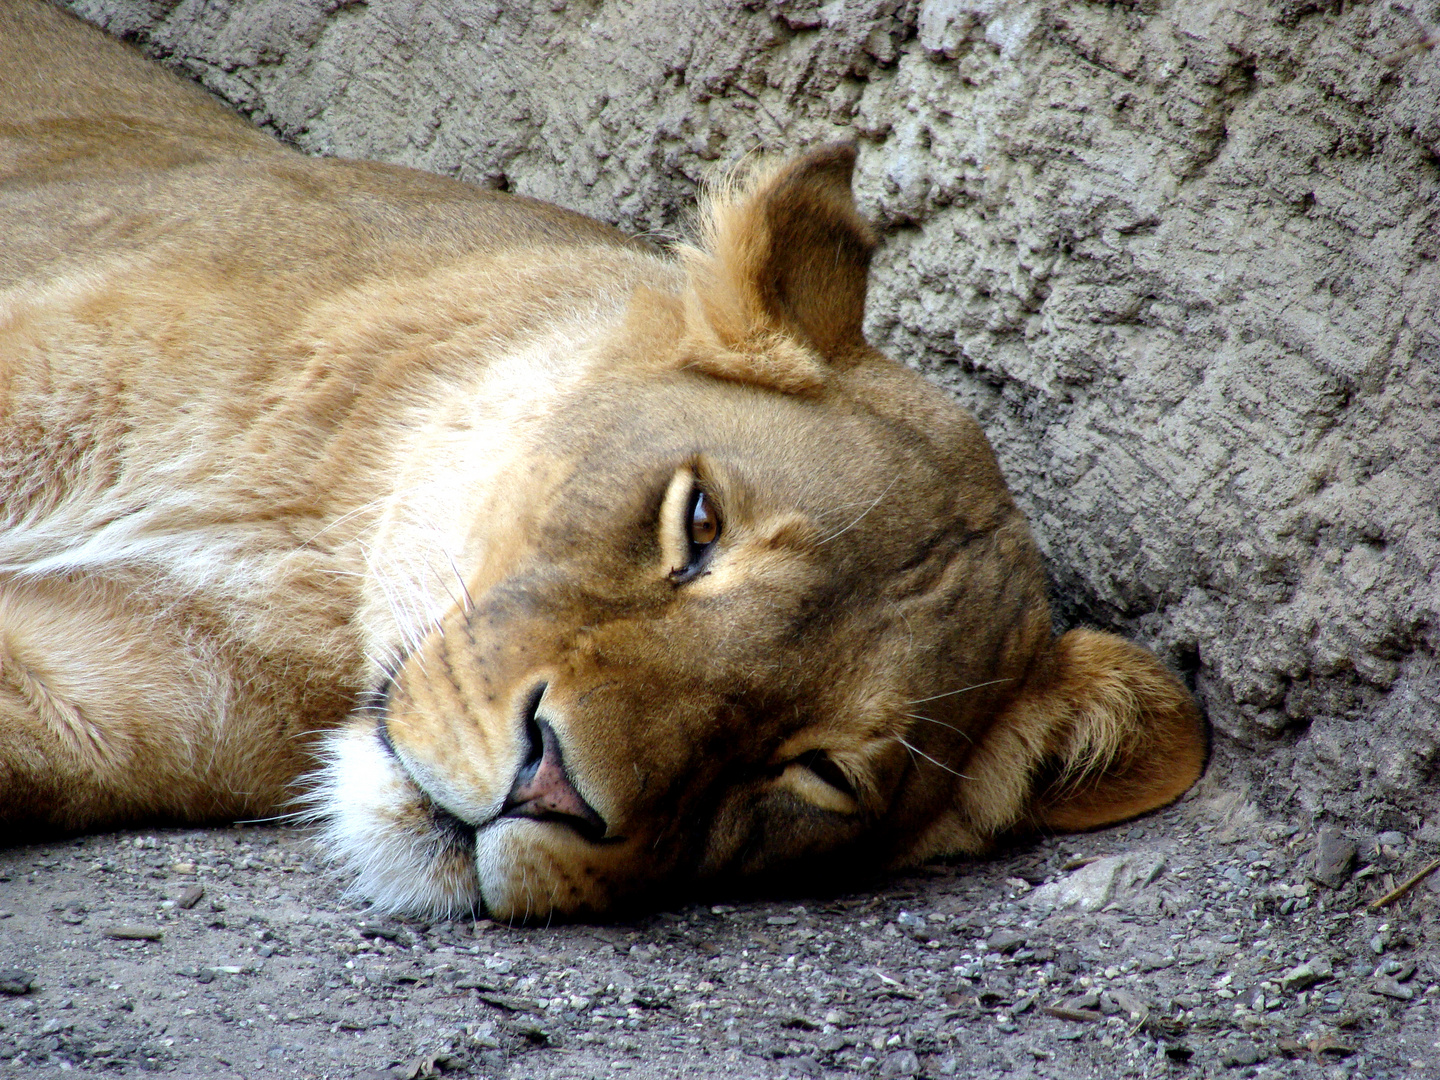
(1102, 732)
(777, 290)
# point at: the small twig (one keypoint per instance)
(895, 985)
(1061, 1013)
(1076, 864)
(1405, 886)
(1425, 44)
(1427, 40)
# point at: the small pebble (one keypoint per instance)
(1246, 1053)
(1306, 975)
(190, 896)
(901, 1063)
(1392, 989)
(1005, 941)
(1335, 855)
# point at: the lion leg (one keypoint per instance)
(110, 713)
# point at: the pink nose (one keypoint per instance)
(542, 790)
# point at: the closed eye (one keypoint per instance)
(816, 777)
(823, 765)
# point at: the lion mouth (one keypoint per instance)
(541, 790)
(533, 843)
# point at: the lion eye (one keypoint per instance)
(815, 777)
(702, 529)
(823, 766)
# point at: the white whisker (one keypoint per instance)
(864, 512)
(927, 757)
(465, 591)
(941, 723)
(962, 690)
(365, 507)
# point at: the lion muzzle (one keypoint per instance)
(543, 790)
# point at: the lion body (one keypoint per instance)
(275, 430)
(171, 485)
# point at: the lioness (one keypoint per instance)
(577, 572)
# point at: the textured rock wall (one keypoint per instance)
(1179, 257)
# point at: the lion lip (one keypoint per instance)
(460, 834)
(382, 734)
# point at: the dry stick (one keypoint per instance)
(1427, 40)
(1078, 1015)
(1424, 44)
(1403, 888)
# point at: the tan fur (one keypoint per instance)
(276, 431)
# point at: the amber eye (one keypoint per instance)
(704, 521)
(702, 529)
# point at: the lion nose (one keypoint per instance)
(542, 790)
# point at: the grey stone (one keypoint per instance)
(1390, 988)
(15, 982)
(1126, 1002)
(190, 896)
(1303, 976)
(916, 926)
(1114, 879)
(1334, 858)
(1246, 1053)
(1005, 941)
(900, 1063)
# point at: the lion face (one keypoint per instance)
(757, 601)
(706, 650)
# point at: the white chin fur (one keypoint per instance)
(376, 826)
(510, 896)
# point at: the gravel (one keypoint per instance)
(1194, 943)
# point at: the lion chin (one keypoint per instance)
(559, 574)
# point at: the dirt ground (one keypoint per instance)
(1194, 943)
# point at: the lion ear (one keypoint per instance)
(776, 292)
(1103, 732)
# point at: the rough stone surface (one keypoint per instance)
(1181, 259)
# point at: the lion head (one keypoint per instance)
(751, 600)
